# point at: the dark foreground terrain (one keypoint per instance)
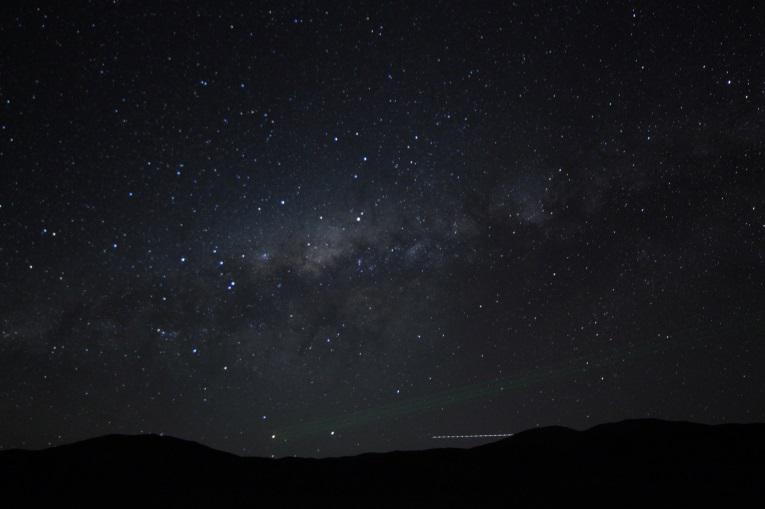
(631, 463)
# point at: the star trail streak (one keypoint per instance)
(495, 435)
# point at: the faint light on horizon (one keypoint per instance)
(491, 435)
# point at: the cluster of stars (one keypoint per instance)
(335, 228)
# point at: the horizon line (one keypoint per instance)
(474, 436)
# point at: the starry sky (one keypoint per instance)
(324, 229)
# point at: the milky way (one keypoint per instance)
(329, 230)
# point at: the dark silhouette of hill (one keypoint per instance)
(630, 463)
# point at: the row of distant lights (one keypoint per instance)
(495, 435)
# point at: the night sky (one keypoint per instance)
(324, 229)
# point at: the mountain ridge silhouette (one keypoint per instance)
(651, 460)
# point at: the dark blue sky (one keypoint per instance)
(318, 229)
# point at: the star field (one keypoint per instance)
(318, 229)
